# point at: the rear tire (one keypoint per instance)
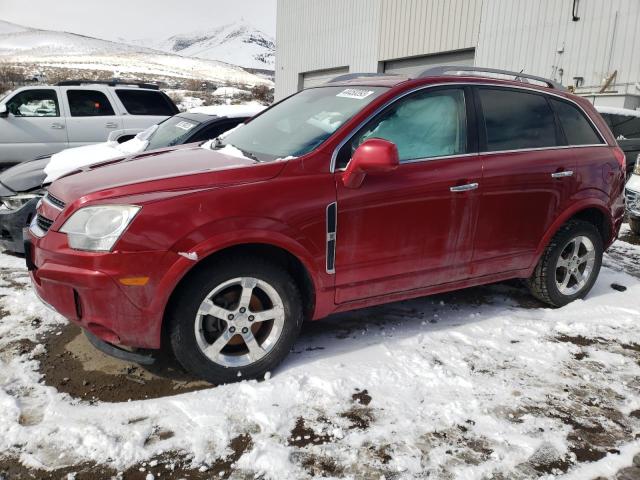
(235, 320)
(634, 224)
(569, 266)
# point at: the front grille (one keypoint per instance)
(43, 223)
(56, 202)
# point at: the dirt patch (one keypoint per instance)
(362, 397)
(302, 435)
(578, 340)
(170, 465)
(72, 365)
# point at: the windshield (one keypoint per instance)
(173, 131)
(299, 124)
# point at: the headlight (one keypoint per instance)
(98, 228)
(17, 201)
(636, 169)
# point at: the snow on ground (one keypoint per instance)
(478, 384)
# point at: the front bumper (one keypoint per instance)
(632, 196)
(86, 288)
(12, 222)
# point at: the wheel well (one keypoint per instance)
(291, 263)
(598, 220)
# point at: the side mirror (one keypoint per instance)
(373, 156)
(3, 110)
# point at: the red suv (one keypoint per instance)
(367, 190)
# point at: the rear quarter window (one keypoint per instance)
(145, 102)
(577, 129)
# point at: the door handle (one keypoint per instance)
(566, 173)
(464, 188)
(57, 126)
(111, 125)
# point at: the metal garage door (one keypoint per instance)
(319, 77)
(414, 65)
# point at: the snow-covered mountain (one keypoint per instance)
(238, 43)
(50, 49)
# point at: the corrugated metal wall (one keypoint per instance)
(541, 38)
(537, 36)
(320, 34)
(420, 27)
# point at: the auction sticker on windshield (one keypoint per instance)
(185, 125)
(356, 93)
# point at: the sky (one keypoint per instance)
(137, 19)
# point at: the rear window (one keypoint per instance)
(577, 129)
(145, 102)
(89, 103)
(517, 120)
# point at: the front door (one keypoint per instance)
(413, 227)
(34, 125)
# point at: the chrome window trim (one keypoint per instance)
(334, 156)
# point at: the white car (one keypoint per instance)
(43, 120)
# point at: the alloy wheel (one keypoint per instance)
(575, 265)
(239, 322)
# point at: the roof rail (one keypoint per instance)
(519, 77)
(351, 76)
(110, 83)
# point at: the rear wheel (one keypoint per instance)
(235, 320)
(569, 266)
(634, 224)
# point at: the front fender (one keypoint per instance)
(216, 236)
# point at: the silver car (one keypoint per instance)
(43, 120)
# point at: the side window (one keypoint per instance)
(517, 120)
(430, 123)
(34, 103)
(218, 128)
(145, 102)
(577, 129)
(89, 103)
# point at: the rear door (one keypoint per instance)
(143, 108)
(529, 177)
(413, 227)
(91, 116)
(34, 125)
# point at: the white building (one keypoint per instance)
(576, 42)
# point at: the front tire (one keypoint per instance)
(235, 320)
(634, 224)
(569, 265)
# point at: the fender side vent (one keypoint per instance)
(332, 220)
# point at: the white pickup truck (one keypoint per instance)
(43, 120)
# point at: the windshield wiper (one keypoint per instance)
(248, 154)
(217, 145)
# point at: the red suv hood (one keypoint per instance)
(180, 169)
